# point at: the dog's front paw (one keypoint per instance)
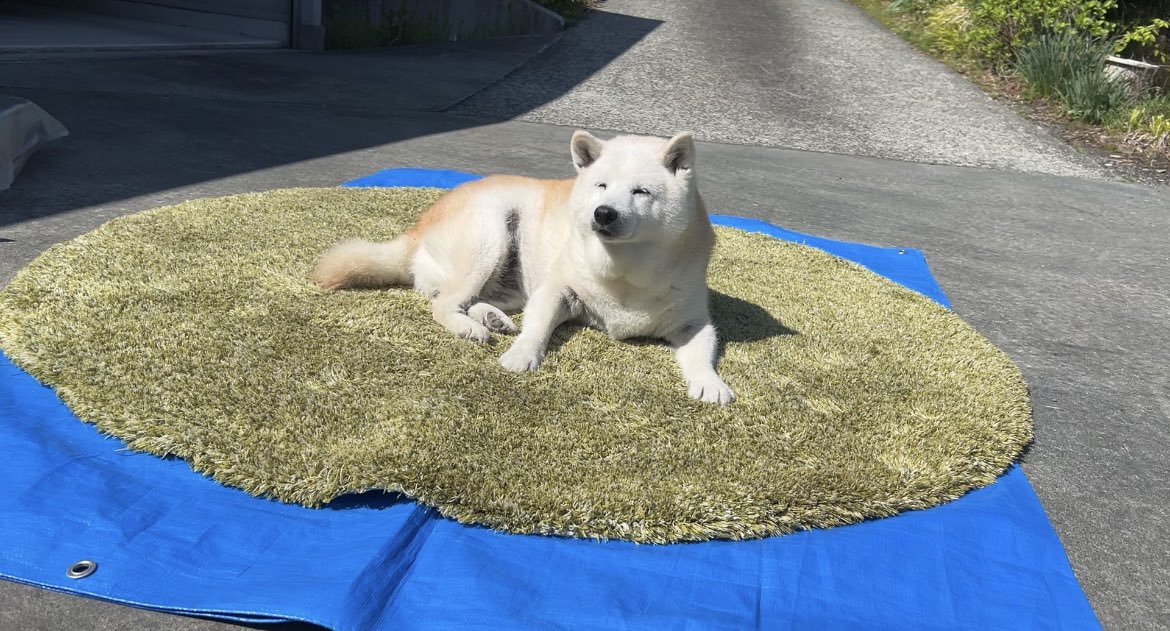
(710, 389)
(521, 357)
(474, 331)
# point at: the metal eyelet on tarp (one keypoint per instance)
(81, 569)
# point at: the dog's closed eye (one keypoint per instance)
(640, 191)
(601, 185)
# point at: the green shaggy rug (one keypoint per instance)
(192, 331)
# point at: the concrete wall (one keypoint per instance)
(359, 23)
(270, 20)
(429, 20)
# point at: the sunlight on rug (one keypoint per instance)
(192, 331)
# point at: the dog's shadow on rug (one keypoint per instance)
(737, 320)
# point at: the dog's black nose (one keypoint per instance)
(605, 215)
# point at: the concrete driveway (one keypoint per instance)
(814, 118)
(816, 75)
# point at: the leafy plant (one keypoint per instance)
(911, 6)
(1147, 41)
(1149, 122)
(949, 25)
(1159, 128)
(1071, 67)
(1091, 95)
(999, 29)
(1130, 12)
(1048, 64)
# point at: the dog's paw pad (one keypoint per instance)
(500, 323)
(492, 318)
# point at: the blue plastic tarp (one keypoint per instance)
(167, 538)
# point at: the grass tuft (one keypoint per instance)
(1092, 96)
(1148, 122)
(1071, 68)
(1047, 64)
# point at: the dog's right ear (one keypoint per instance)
(679, 153)
(586, 149)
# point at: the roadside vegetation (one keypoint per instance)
(1050, 57)
(572, 10)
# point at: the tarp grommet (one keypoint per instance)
(81, 569)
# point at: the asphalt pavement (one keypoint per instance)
(1062, 269)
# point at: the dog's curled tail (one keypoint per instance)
(358, 264)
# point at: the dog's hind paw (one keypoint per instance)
(710, 389)
(491, 317)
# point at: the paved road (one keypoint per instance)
(1065, 273)
(818, 75)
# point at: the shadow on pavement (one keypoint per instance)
(144, 124)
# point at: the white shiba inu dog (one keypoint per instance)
(623, 247)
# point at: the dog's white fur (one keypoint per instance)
(623, 247)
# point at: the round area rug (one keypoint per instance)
(192, 331)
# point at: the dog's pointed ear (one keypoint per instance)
(679, 153)
(586, 149)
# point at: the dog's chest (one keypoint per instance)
(625, 312)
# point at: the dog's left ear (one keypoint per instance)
(586, 149)
(679, 154)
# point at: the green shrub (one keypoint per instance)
(912, 6)
(949, 25)
(1048, 64)
(571, 10)
(1149, 121)
(1043, 66)
(1130, 12)
(1091, 95)
(995, 31)
(1071, 67)
(1147, 42)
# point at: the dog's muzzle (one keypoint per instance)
(605, 221)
